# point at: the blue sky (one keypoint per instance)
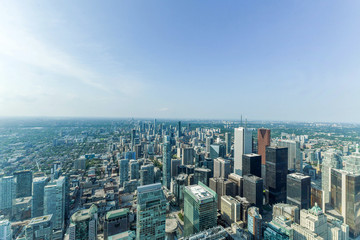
(270, 60)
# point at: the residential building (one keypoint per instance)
(84, 224)
(39, 228)
(116, 221)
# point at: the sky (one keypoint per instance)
(266, 60)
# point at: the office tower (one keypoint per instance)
(209, 163)
(298, 190)
(138, 149)
(276, 172)
(202, 175)
(230, 209)
(242, 145)
(294, 154)
(147, 174)
(130, 155)
(5, 230)
(254, 225)
(151, 212)
(132, 139)
(54, 202)
(178, 185)
(209, 141)
(179, 129)
(83, 224)
(23, 181)
(166, 162)
(222, 187)
(287, 211)
(332, 159)
(175, 163)
(7, 193)
(263, 142)
(116, 221)
(253, 190)
(279, 229)
(251, 164)
(80, 163)
(221, 168)
(123, 171)
(200, 209)
(228, 143)
(238, 181)
(312, 222)
(187, 156)
(134, 170)
(39, 228)
(155, 130)
(37, 203)
(217, 150)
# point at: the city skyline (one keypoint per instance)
(276, 61)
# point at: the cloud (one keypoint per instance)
(164, 109)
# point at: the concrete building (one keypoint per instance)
(151, 212)
(37, 203)
(251, 164)
(230, 209)
(239, 182)
(254, 225)
(5, 230)
(221, 168)
(276, 172)
(39, 228)
(287, 211)
(23, 181)
(222, 187)
(115, 222)
(294, 155)
(7, 193)
(200, 209)
(84, 224)
(242, 145)
(279, 229)
(298, 190)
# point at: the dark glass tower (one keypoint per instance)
(253, 190)
(298, 190)
(23, 183)
(276, 172)
(251, 164)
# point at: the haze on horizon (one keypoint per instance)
(283, 60)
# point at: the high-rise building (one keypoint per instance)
(228, 143)
(23, 181)
(230, 209)
(254, 225)
(217, 150)
(253, 190)
(239, 182)
(178, 184)
(39, 228)
(202, 175)
(294, 154)
(134, 170)
(222, 187)
(7, 193)
(115, 222)
(80, 163)
(276, 172)
(123, 171)
(54, 202)
(242, 145)
(147, 174)
(132, 139)
(5, 230)
(263, 142)
(298, 190)
(200, 209)
(83, 224)
(179, 129)
(37, 203)
(130, 155)
(209, 141)
(222, 168)
(166, 162)
(187, 156)
(151, 212)
(175, 163)
(251, 164)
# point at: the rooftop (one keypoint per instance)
(200, 192)
(149, 188)
(40, 219)
(298, 175)
(117, 213)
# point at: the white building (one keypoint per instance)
(242, 145)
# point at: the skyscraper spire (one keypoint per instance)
(241, 124)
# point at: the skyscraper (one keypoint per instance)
(37, 203)
(116, 221)
(7, 193)
(83, 224)
(151, 212)
(5, 230)
(39, 228)
(147, 174)
(134, 170)
(276, 172)
(209, 141)
(228, 143)
(221, 168)
(298, 190)
(23, 181)
(263, 142)
(254, 223)
(242, 145)
(202, 175)
(253, 190)
(252, 164)
(200, 209)
(230, 209)
(294, 155)
(217, 150)
(166, 162)
(187, 156)
(54, 202)
(123, 171)
(132, 139)
(179, 129)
